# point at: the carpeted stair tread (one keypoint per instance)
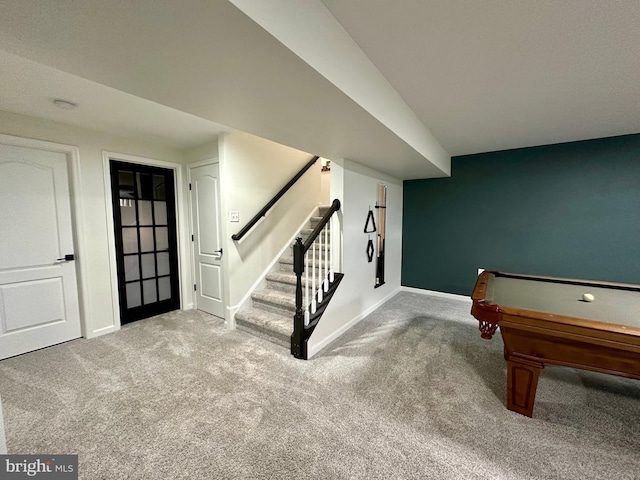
(284, 277)
(271, 326)
(286, 260)
(276, 298)
(316, 242)
(288, 277)
(307, 231)
(286, 265)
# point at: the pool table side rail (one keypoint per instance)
(572, 281)
(489, 314)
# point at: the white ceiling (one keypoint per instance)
(211, 61)
(497, 74)
(481, 76)
(29, 88)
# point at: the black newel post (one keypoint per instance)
(298, 343)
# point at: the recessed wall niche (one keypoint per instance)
(381, 207)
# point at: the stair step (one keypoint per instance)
(285, 281)
(285, 264)
(310, 252)
(268, 325)
(315, 220)
(316, 242)
(274, 301)
(305, 232)
(286, 260)
(287, 277)
(317, 247)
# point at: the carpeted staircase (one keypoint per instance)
(270, 315)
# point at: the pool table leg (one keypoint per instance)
(522, 382)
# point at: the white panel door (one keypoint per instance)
(38, 288)
(205, 204)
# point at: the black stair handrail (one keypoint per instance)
(273, 201)
(335, 206)
(301, 333)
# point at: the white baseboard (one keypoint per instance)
(102, 331)
(338, 333)
(434, 293)
(230, 316)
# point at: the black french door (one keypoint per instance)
(146, 246)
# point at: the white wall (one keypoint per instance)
(205, 151)
(356, 187)
(97, 307)
(252, 171)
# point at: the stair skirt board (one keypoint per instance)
(268, 309)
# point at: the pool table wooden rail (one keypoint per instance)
(533, 339)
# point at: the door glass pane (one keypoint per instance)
(150, 294)
(163, 264)
(127, 215)
(125, 184)
(146, 239)
(162, 238)
(158, 187)
(130, 240)
(164, 288)
(148, 265)
(133, 295)
(145, 187)
(144, 212)
(160, 212)
(131, 268)
(125, 179)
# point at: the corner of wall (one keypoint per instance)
(356, 187)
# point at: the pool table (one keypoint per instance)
(544, 320)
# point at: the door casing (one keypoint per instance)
(186, 297)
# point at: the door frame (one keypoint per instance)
(229, 319)
(75, 198)
(182, 228)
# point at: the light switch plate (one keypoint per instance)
(234, 216)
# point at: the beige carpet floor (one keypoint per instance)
(412, 391)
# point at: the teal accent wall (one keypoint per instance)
(566, 210)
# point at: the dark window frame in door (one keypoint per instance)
(138, 193)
